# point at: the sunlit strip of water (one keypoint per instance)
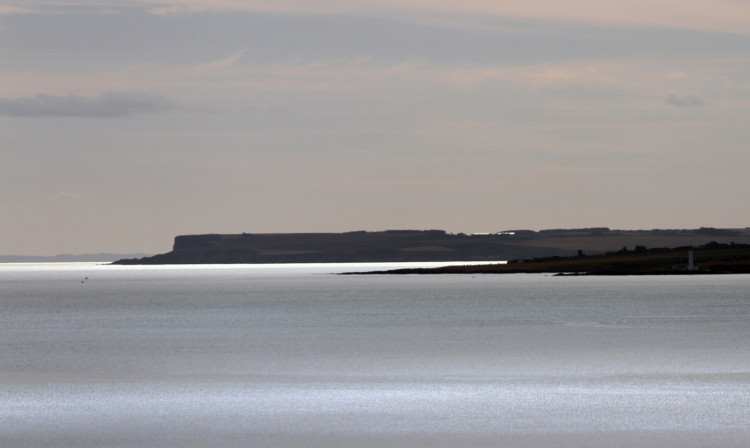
(103, 270)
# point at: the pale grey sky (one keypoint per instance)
(124, 123)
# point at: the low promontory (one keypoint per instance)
(427, 245)
(711, 258)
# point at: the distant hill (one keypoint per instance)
(425, 245)
(65, 258)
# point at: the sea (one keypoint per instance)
(95, 355)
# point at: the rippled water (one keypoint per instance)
(230, 356)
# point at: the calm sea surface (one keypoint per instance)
(294, 356)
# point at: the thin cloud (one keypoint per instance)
(726, 16)
(685, 101)
(386, 182)
(108, 105)
(69, 196)
(10, 9)
(68, 7)
(221, 64)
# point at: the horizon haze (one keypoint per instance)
(124, 123)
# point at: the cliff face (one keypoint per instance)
(421, 245)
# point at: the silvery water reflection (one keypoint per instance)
(294, 356)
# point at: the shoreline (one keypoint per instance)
(709, 259)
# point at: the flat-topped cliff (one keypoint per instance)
(423, 245)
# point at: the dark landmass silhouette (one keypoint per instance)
(711, 258)
(424, 245)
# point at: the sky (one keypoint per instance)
(124, 123)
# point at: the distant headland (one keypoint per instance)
(429, 245)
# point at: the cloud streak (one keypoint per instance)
(220, 64)
(685, 101)
(10, 9)
(59, 7)
(108, 105)
(69, 196)
(706, 15)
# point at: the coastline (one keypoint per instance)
(709, 259)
